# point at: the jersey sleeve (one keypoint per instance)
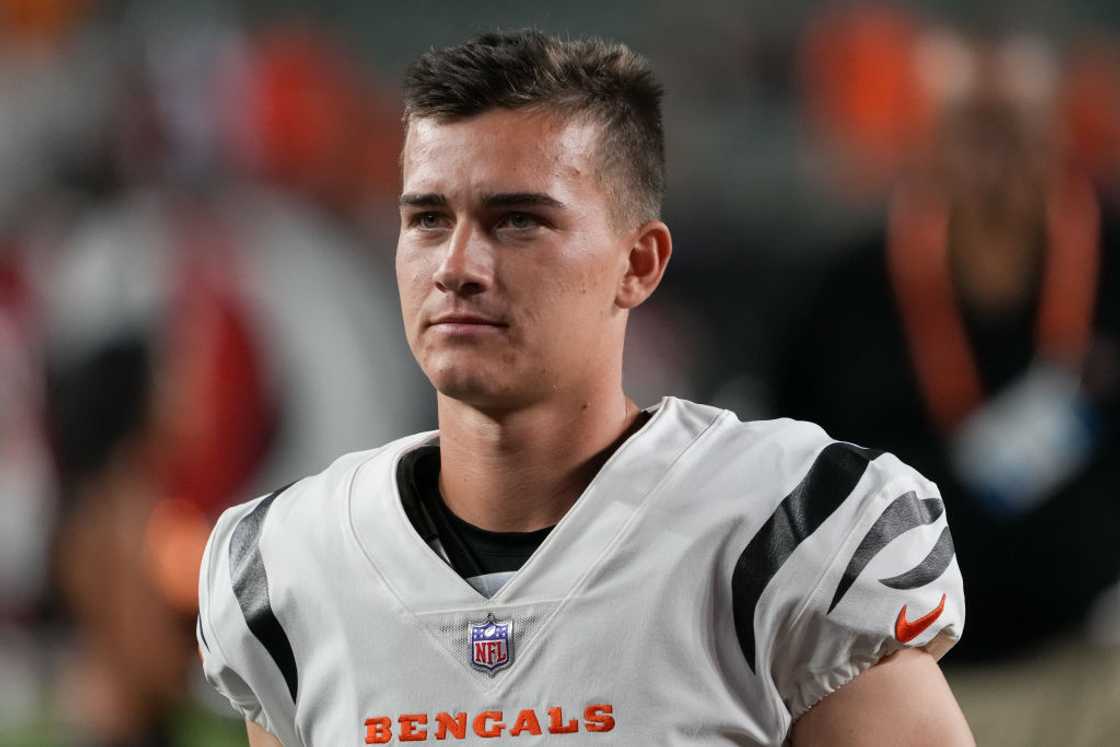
(225, 662)
(887, 578)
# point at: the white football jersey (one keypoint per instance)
(714, 581)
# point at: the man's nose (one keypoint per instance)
(467, 265)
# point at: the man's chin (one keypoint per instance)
(473, 389)
(488, 394)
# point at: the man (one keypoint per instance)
(554, 561)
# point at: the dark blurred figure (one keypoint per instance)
(214, 324)
(977, 338)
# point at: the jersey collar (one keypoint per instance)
(423, 582)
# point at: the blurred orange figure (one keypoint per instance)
(977, 336)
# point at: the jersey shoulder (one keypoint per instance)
(779, 459)
(846, 557)
(298, 510)
(246, 653)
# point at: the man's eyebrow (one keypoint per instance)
(521, 199)
(425, 199)
(494, 200)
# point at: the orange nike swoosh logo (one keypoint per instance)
(906, 630)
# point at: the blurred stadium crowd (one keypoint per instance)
(901, 225)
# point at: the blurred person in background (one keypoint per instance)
(43, 108)
(210, 318)
(49, 83)
(976, 336)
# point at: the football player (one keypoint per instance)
(555, 563)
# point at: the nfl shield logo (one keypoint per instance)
(491, 644)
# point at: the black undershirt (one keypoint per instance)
(471, 550)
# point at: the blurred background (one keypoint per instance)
(897, 221)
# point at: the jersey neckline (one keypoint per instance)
(423, 582)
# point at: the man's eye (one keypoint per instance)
(428, 221)
(519, 221)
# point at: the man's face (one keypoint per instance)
(508, 260)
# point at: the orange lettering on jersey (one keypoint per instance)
(409, 722)
(420, 727)
(526, 721)
(456, 725)
(379, 730)
(491, 731)
(556, 723)
(598, 717)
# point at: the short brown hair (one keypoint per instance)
(603, 80)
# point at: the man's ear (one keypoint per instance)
(645, 264)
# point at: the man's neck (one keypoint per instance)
(521, 471)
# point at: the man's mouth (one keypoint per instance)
(465, 325)
(465, 320)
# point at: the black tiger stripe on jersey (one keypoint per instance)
(202, 633)
(250, 586)
(829, 481)
(905, 512)
(931, 567)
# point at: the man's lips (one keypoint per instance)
(464, 320)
